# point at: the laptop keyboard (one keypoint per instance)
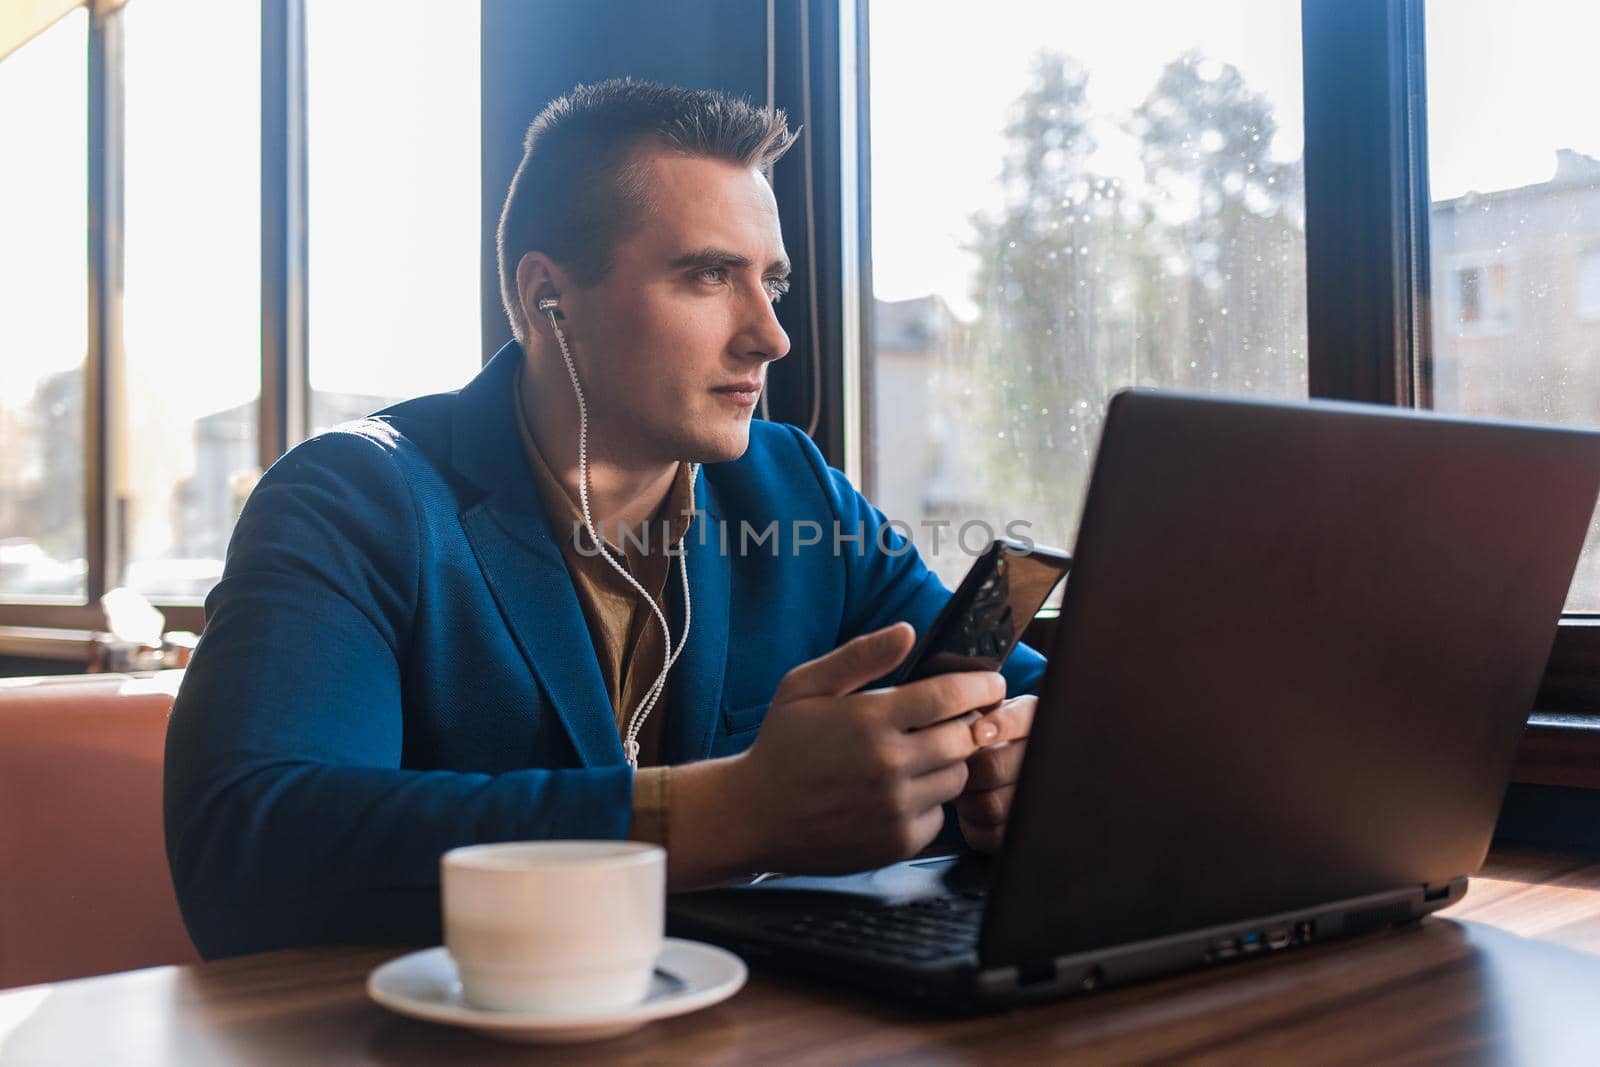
(918, 931)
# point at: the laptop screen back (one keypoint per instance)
(1296, 653)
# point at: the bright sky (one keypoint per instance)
(394, 247)
(394, 257)
(42, 214)
(1509, 84)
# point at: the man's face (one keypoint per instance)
(684, 317)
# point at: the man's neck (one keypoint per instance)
(622, 494)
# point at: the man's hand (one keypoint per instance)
(839, 780)
(985, 804)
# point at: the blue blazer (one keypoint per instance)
(395, 663)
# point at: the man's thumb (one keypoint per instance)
(851, 665)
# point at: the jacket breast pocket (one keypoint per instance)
(742, 719)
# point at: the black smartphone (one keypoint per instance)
(984, 619)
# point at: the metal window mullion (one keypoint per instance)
(854, 287)
(860, 366)
(809, 43)
(1365, 187)
(1418, 197)
(284, 398)
(102, 359)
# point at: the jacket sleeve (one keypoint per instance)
(886, 580)
(289, 819)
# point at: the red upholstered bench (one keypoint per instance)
(84, 886)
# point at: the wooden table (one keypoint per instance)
(1509, 975)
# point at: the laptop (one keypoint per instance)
(1296, 653)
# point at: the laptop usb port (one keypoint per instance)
(1249, 943)
(1225, 948)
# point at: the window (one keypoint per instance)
(1589, 283)
(1497, 307)
(184, 402)
(171, 389)
(1093, 203)
(1482, 296)
(393, 204)
(1514, 228)
(43, 326)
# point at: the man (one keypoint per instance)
(416, 644)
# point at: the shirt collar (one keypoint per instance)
(677, 508)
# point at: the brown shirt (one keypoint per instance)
(628, 642)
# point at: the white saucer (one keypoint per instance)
(424, 985)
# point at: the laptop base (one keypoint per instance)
(802, 929)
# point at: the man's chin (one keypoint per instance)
(722, 447)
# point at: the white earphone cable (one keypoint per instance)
(630, 737)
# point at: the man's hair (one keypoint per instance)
(580, 187)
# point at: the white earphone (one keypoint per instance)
(551, 307)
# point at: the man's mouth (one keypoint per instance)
(744, 393)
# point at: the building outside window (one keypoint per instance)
(1514, 163)
(1589, 283)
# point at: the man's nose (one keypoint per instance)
(765, 338)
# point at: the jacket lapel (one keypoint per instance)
(521, 560)
(530, 583)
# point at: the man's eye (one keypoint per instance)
(715, 274)
(776, 288)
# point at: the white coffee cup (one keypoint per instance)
(554, 926)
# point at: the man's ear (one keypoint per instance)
(539, 276)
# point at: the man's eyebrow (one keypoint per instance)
(720, 257)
